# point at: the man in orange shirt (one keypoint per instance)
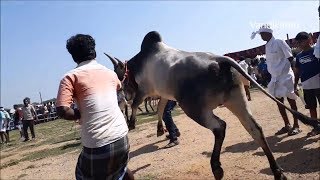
(105, 152)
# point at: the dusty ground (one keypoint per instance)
(241, 158)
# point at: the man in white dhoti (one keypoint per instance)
(279, 58)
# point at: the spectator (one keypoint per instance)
(279, 58)
(49, 106)
(263, 71)
(46, 113)
(104, 132)
(17, 117)
(308, 69)
(245, 81)
(8, 118)
(29, 116)
(4, 120)
(174, 132)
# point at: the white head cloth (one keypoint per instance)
(263, 28)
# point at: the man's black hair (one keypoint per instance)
(81, 47)
(302, 36)
(26, 99)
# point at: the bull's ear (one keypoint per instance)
(113, 60)
(120, 63)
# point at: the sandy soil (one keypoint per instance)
(241, 158)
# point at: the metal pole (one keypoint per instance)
(40, 97)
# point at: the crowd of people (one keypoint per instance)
(24, 117)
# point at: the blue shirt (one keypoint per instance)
(309, 68)
(308, 64)
(263, 67)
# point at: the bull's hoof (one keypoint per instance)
(131, 126)
(279, 175)
(218, 173)
(160, 132)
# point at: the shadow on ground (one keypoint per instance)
(146, 149)
(140, 168)
(297, 159)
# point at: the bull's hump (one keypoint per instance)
(150, 39)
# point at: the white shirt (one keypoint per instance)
(244, 65)
(277, 54)
(317, 48)
(94, 87)
(312, 83)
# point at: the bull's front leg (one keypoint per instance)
(138, 99)
(126, 112)
(161, 105)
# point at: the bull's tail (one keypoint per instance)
(303, 118)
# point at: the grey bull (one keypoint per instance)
(199, 82)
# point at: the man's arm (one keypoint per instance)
(292, 63)
(296, 77)
(34, 113)
(68, 113)
(286, 51)
(65, 99)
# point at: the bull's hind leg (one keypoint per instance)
(208, 120)
(237, 104)
(219, 134)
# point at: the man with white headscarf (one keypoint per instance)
(279, 58)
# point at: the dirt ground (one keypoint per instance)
(241, 158)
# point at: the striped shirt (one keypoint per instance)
(94, 87)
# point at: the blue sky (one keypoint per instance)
(33, 34)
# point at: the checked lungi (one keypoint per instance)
(108, 162)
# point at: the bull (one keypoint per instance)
(199, 82)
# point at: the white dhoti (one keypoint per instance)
(283, 86)
(2, 127)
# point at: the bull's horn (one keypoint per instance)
(113, 60)
(119, 61)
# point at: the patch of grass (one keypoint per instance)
(10, 163)
(5, 156)
(37, 155)
(148, 177)
(64, 138)
(50, 152)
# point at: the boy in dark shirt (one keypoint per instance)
(308, 69)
